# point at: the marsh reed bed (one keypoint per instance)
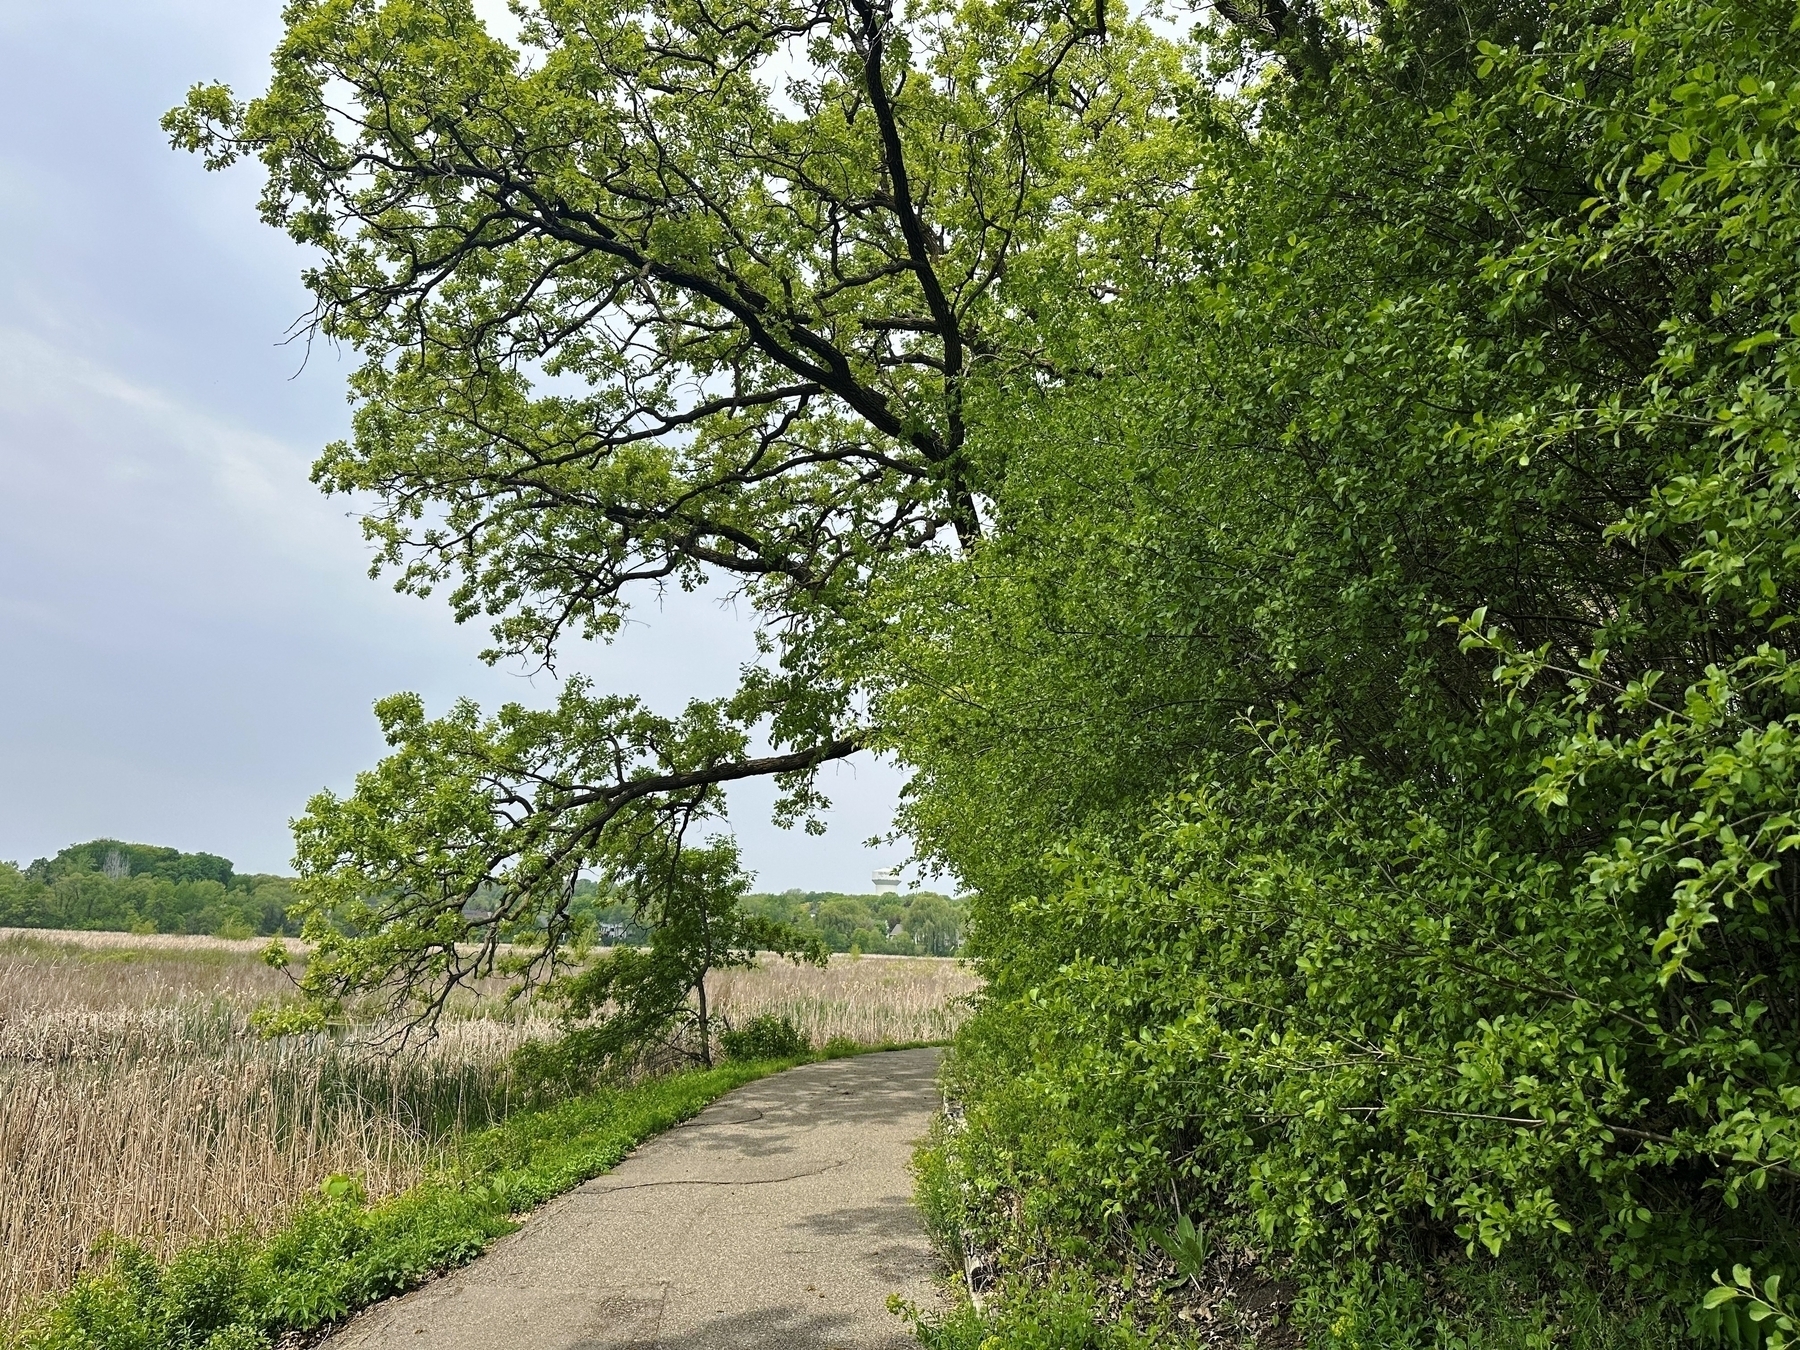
(873, 1000)
(136, 1101)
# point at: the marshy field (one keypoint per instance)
(137, 1103)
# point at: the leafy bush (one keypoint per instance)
(765, 1037)
(548, 1071)
(1378, 777)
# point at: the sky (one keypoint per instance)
(189, 640)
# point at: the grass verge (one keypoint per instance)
(340, 1253)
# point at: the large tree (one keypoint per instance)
(674, 292)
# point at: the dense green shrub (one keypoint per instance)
(1372, 737)
(765, 1037)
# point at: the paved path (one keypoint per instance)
(779, 1218)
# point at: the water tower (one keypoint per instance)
(886, 883)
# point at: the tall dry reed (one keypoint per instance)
(872, 1000)
(136, 1101)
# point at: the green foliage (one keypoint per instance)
(1495, 1306)
(116, 859)
(765, 1037)
(604, 916)
(340, 1253)
(1368, 730)
(1739, 1314)
(1187, 1248)
(142, 888)
(470, 836)
(938, 1196)
(826, 267)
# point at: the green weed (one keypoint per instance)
(765, 1037)
(1062, 1314)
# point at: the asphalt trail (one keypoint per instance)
(779, 1218)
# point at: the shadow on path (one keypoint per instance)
(778, 1218)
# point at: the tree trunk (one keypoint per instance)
(705, 1027)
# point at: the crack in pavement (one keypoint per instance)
(754, 1181)
(700, 1122)
(662, 1306)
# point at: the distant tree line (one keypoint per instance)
(921, 924)
(924, 924)
(141, 888)
(111, 886)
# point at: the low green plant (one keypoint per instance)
(1458, 1304)
(1065, 1313)
(938, 1195)
(765, 1037)
(1187, 1247)
(1740, 1315)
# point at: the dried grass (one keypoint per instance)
(872, 1000)
(135, 1100)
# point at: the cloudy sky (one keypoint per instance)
(189, 642)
